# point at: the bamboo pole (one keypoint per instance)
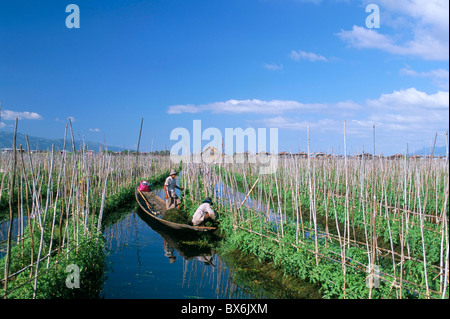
(135, 175)
(422, 235)
(103, 198)
(42, 227)
(10, 227)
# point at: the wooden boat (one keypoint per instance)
(155, 207)
(183, 242)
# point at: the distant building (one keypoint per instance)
(365, 155)
(319, 155)
(211, 155)
(301, 154)
(10, 150)
(395, 156)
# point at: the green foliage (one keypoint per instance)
(387, 229)
(176, 216)
(329, 273)
(89, 256)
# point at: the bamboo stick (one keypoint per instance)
(8, 244)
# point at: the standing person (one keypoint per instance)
(203, 213)
(170, 184)
(168, 252)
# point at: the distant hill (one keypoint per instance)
(40, 143)
(438, 151)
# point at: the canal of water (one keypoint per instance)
(148, 261)
(145, 261)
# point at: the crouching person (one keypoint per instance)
(204, 213)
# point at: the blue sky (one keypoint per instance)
(249, 63)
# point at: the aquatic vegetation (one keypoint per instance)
(176, 216)
(60, 201)
(359, 228)
(88, 256)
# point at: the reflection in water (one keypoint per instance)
(228, 194)
(169, 252)
(150, 261)
(212, 276)
(18, 226)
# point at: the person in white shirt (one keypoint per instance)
(204, 213)
(170, 185)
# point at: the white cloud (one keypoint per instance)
(94, 130)
(440, 77)
(438, 73)
(399, 111)
(12, 115)
(273, 66)
(424, 46)
(431, 13)
(404, 115)
(309, 56)
(244, 106)
(411, 99)
(188, 108)
(400, 117)
(360, 37)
(292, 123)
(416, 28)
(410, 112)
(257, 106)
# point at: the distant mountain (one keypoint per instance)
(438, 151)
(40, 143)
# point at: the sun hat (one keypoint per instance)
(208, 200)
(173, 172)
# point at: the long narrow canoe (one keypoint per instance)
(155, 207)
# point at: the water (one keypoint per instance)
(227, 194)
(145, 261)
(148, 261)
(17, 228)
